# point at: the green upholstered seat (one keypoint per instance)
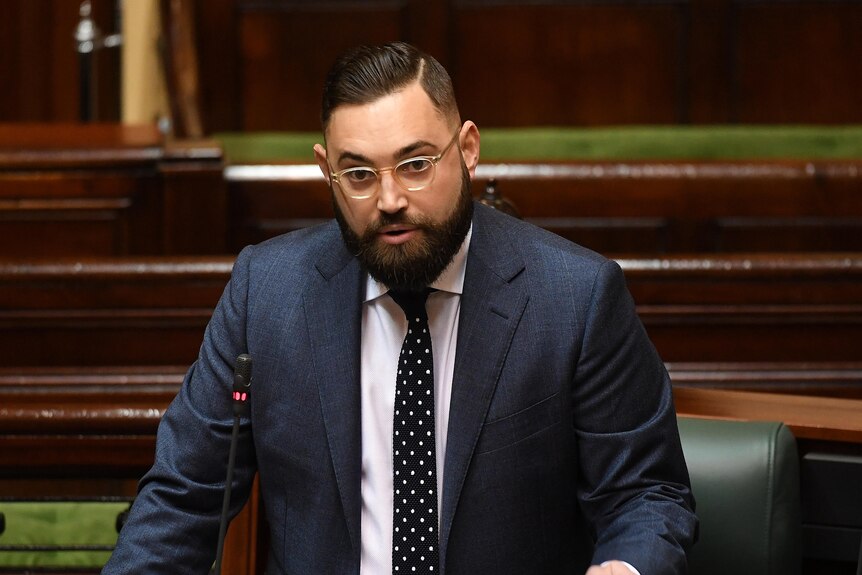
(85, 529)
(745, 479)
(720, 142)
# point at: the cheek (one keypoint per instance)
(357, 214)
(446, 198)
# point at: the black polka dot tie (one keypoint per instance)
(414, 460)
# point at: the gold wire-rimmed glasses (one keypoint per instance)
(412, 174)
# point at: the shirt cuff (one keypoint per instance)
(628, 566)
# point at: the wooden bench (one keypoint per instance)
(645, 190)
(647, 207)
(750, 307)
(107, 312)
(107, 190)
(734, 313)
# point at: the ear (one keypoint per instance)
(469, 139)
(320, 156)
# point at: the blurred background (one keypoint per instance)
(260, 63)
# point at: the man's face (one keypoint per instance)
(404, 239)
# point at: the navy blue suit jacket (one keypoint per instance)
(562, 448)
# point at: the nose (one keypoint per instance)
(391, 197)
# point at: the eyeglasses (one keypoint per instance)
(412, 174)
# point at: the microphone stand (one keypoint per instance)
(240, 395)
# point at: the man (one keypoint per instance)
(547, 439)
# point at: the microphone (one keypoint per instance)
(241, 384)
(240, 397)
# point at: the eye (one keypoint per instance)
(360, 176)
(415, 166)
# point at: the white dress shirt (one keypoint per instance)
(383, 330)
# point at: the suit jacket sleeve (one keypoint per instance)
(634, 486)
(173, 525)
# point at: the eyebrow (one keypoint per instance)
(400, 153)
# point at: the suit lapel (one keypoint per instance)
(491, 307)
(333, 310)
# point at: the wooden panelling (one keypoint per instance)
(568, 63)
(626, 207)
(123, 312)
(824, 379)
(260, 209)
(706, 309)
(708, 70)
(106, 189)
(219, 59)
(40, 68)
(797, 61)
(262, 62)
(71, 213)
(287, 48)
(750, 308)
(78, 422)
(549, 63)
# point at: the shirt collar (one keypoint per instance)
(450, 280)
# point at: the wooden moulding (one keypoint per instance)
(818, 418)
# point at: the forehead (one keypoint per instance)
(386, 124)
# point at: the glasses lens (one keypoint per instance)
(416, 173)
(358, 181)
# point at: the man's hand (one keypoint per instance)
(610, 568)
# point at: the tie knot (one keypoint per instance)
(411, 302)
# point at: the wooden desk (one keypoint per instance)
(816, 418)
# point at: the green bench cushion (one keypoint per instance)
(618, 143)
(58, 523)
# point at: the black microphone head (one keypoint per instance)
(241, 384)
(242, 369)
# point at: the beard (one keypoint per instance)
(413, 265)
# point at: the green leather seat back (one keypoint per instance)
(745, 479)
(664, 142)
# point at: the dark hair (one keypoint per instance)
(367, 73)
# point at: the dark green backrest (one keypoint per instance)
(745, 479)
(702, 143)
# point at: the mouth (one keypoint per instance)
(397, 234)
